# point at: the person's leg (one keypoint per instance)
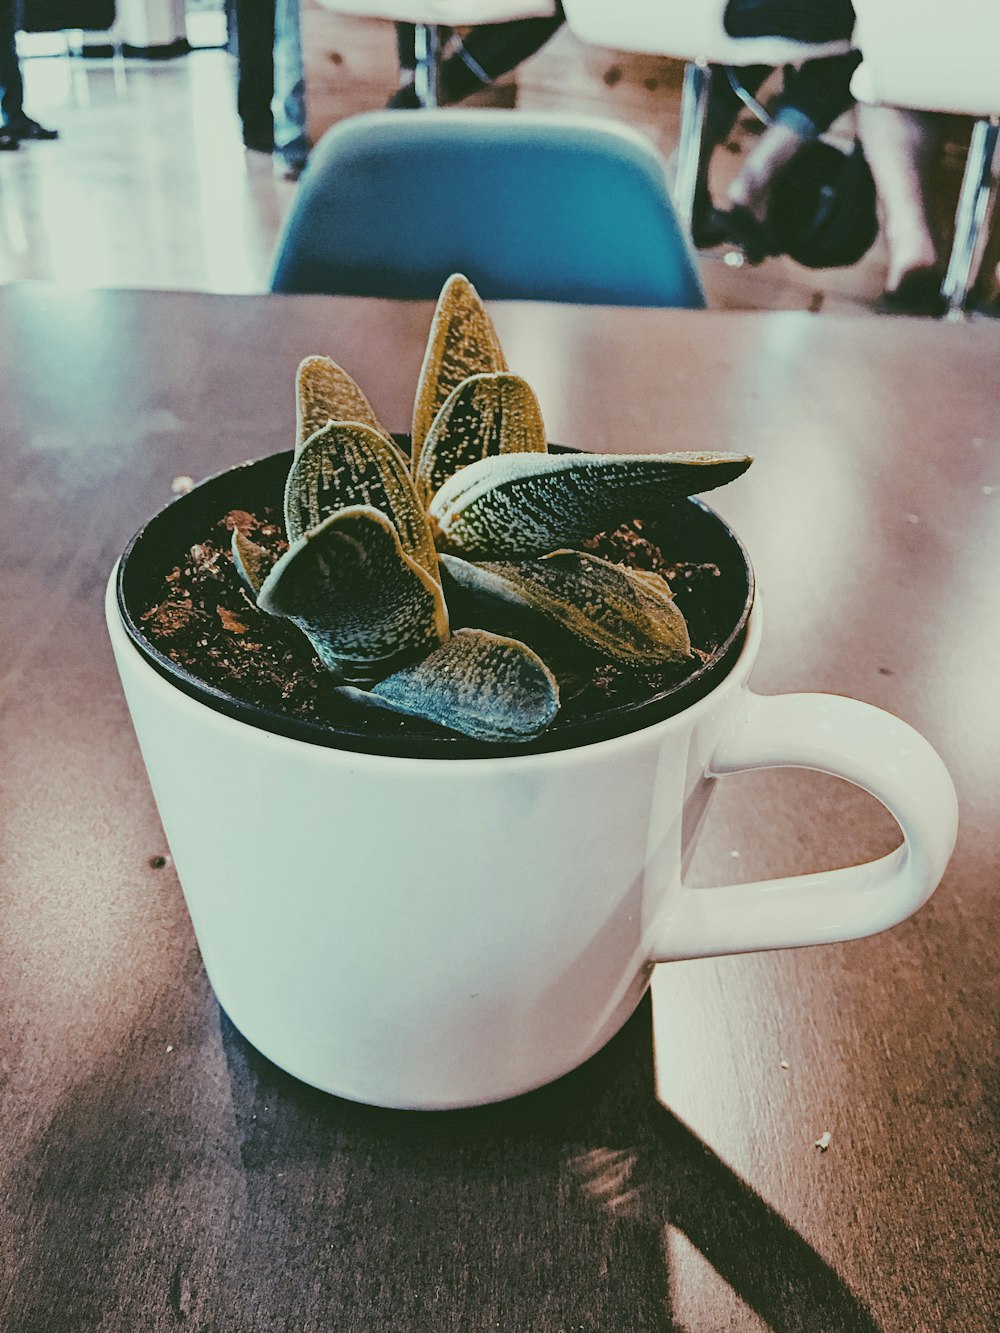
(288, 105)
(15, 124)
(813, 97)
(725, 103)
(255, 72)
(898, 145)
(406, 50)
(488, 52)
(724, 107)
(484, 55)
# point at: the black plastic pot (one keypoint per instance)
(688, 531)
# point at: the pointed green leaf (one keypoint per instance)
(462, 342)
(366, 607)
(480, 684)
(252, 562)
(483, 416)
(529, 504)
(345, 465)
(628, 615)
(324, 392)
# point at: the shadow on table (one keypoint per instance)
(580, 1178)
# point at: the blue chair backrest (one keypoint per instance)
(528, 206)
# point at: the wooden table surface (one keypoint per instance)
(157, 1174)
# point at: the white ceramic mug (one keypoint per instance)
(434, 933)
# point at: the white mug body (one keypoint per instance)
(422, 932)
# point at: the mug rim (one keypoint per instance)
(619, 721)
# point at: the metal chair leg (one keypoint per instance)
(975, 203)
(427, 74)
(118, 62)
(694, 106)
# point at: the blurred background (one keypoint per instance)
(149, 184)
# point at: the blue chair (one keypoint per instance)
(529, 207)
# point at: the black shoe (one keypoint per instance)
(736, 227)
(708, 227)
(918, 293)
(8, 142)
(750, 233)
(26, 128)
(404, 99)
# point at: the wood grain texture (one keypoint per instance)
(157, 1174)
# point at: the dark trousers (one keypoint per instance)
(494, 48)
(817, 93)
(800, 20)
(253, 30)
(813, 95)
(11, 83)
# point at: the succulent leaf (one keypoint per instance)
(252, 562)
(462, 342)
(529, 504)
(480, 684)
(345, 465)
(325, 392)
(364, 604)
(628, 615)
(483, 416)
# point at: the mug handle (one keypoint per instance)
(852, 740)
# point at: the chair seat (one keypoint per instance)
(980, 97)
(930, 57)
(448, 13)
(689, 30)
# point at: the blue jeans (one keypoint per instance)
(288, 105)
(270, 86)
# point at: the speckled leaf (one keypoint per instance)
(462, 342)
(483, 416)
(480, 684)
(344, 465)
(366, 607)
(251, 561)
(325, 392)
(628, 615)
(529, 504)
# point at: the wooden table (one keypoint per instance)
(157, 1174)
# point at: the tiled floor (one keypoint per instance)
(149, 184)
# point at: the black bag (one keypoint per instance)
(822, 210)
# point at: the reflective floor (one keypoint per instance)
(148, 185)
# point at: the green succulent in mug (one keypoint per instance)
(375, 538)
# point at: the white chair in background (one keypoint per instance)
(922, 55)
(689, 30)
(430, 16)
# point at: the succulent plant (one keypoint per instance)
(480, 507)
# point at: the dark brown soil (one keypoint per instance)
(208, 624)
